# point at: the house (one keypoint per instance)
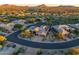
(65, 29)
(7, 27)
(42, 30)
(60, 32)
(73, 27)
(57, 32)
(19, 21)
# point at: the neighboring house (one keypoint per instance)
(57, 32)
(42, 30)
(10, 26)
(60, 32)
(65, 29)
(7, 27)
(76, 26)
(19, 22)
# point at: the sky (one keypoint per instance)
(37, 2)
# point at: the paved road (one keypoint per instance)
(13, 38)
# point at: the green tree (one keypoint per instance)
(17, 26)
(49, 20)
